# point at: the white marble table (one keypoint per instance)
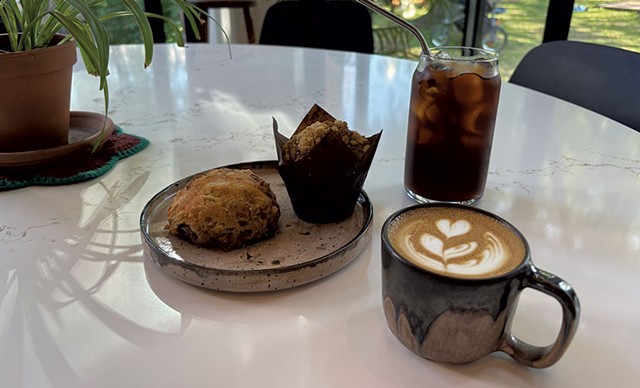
(81, 306)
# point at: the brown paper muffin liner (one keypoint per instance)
(325, 184)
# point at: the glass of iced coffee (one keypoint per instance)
(454, 100)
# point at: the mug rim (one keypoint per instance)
(526, 262)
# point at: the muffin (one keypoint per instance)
(304, 141)
(324, 165)
(224, 208)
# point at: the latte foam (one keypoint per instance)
(456, 242)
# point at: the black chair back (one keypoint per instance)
(329, 24)
(603, 79)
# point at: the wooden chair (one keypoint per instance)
(603, 79)
(245, 5)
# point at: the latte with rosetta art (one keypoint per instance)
(456, 242)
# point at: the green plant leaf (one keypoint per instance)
(190, 11)
(175, 28)
(12, 19)
(102, 137)
(100, 37)
(83, 38)
(52, 26)
(192, 15)
(145, 30)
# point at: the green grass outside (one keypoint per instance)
(524, 22)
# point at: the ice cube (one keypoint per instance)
(483, 123)
(427, 92)
(478, 121)
(434, 114)
(468, 118)
(442, 55)
(419, 108)
(440, 61)
(468, 89)
(430, 136)
(424, 135)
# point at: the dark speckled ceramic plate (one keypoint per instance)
(299, 252)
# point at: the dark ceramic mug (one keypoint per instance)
(451, 278)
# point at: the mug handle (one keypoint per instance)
(545, 356)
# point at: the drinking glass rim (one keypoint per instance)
(491, 56)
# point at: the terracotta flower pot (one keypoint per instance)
(35, 95)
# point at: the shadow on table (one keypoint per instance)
(61, 274)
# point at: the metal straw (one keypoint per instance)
(398, 20)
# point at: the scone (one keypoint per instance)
(224, 208)
(324, 166)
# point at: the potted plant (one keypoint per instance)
(53, 28)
